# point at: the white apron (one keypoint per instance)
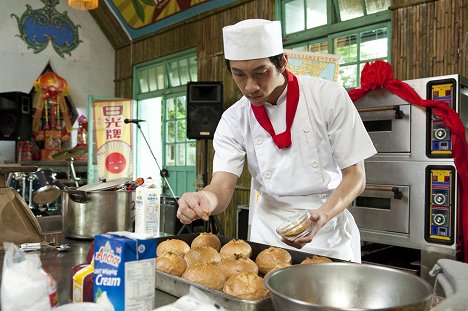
(339, 238)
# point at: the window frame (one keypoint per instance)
(335, 28)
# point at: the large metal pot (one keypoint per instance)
(95, 211)
(347, 286)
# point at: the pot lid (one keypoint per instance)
(104, 184)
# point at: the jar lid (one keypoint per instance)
(105, 184)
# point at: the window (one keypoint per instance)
(356, 30)
(160, 88)
(166, 74)
(180, 151)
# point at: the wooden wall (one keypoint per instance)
(429, 39)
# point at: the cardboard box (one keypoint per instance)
(82, 279)
(124, 270)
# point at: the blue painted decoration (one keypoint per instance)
(39, 27)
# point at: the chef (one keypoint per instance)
(303, 140)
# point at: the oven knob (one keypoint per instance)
(439, 219)
(439, 199)
(440, 134)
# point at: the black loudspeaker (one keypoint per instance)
(15, 116)
(204, 108)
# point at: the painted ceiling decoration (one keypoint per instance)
(142, 17)
(39, 27)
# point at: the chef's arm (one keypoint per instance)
(220, 191)
(352, 185)
(213, 199)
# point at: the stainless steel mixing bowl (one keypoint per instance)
(347, 286)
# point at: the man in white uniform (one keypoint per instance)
(304, 142)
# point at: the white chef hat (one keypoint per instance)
(252, 39)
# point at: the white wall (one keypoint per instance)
(89, 70)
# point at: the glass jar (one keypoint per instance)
(296, 226)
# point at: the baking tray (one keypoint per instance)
(178, 286)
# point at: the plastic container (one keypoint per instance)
(295, 227)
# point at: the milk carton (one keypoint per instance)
(124, 271)
(148, 208)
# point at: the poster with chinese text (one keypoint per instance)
(113, 138)
(323, 66)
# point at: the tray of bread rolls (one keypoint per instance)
(229, 271)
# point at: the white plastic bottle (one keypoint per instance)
(147, 208)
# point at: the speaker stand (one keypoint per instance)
(212, 225)
(162, 172)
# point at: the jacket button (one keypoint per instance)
(258, 140)
(306, 129)
(314, 164)
(267, 175)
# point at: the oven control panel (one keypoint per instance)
(438, 137)
(440, 204)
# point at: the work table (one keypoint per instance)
(59, 264)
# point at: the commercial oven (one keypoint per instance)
(410, 204)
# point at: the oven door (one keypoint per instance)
(383, 208)
(387, 120)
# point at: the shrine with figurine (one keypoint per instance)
(51, 120)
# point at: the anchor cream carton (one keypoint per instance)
(124, 271)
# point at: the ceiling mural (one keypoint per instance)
(39, 27)
(142, 17)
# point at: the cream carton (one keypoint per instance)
(148, 208)
(124, 271)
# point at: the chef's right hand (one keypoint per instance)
(193, 206)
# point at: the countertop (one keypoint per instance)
(59, 264)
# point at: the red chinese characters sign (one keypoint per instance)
(113, 138)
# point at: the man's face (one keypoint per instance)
(258, 79)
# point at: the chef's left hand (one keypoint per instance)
(318, 220)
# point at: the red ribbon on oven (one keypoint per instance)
(379, 75)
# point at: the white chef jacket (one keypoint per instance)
(327, 135)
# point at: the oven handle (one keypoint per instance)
(398, 113)
(397, 194)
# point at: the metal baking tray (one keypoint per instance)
(178, 286)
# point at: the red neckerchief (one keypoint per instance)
(282, 140)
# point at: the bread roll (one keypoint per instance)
(209, 275)
(207, 239)
(272, 257)
(233, 247)
(247, 286)
(171, 263)
(175, 246)
(233, 266)
(279, 266)
(203, 254)
(316, 259)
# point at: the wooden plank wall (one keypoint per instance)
(205, 34)
(429, 38)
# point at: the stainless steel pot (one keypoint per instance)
(347, 286)
(87, 213)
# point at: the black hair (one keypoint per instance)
(275, 60)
